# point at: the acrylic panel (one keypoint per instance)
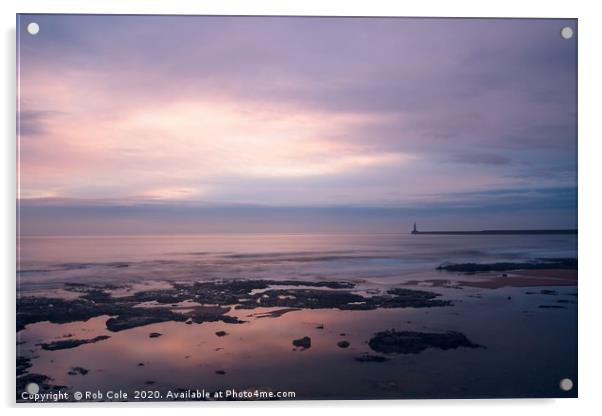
(294, 208)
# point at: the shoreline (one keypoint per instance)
(233, 330)
(527, 278)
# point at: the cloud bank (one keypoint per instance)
(299, 114)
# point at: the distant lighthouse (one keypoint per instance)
(415, 230)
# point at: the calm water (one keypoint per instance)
(528, 349)
(274, 256)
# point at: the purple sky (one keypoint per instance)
(139, 124)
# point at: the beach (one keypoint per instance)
(364, 316)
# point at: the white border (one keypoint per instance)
(590, 68)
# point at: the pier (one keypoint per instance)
(497, 232)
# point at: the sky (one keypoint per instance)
(174, 124)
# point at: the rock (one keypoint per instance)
(23, 363)
(409, 298)
(129, 321)
(303, 343)
(71, 343)
(275, 314)
(330, 299)
(77, 371)
(154, 335)
(221, 333)
(97, 300)
(369, 358)
(343, 344)
(537, 264)
(41, 380)
(411, 342)
(59, 311)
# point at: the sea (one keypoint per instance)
(58, 259)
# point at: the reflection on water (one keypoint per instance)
(523, 346)
(528, 349)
